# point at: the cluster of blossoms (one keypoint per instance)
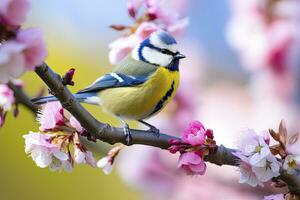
(261, 162)
(257, 163)
(266, 33)
(196, 143)
(20, 49)
(6, 101)
(52, 147)
(156, 16)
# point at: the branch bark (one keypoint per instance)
(22, 98)
(112, 135)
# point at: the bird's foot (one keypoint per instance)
(127, 134)
(126, 130)
(152, 128)
(155, 130)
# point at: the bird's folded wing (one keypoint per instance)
(114, 80)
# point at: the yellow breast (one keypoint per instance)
(144, 100)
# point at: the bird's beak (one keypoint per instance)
(179, 56)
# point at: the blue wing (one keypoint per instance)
(114, 80)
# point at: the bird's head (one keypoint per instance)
(160, 48)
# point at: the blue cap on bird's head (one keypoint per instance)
(160, 48)
(163, 36)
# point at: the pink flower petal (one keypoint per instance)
(90, 159)
(192, 163)
(75, 123)
(195, 133)
(51, 115)
(14, 12)
(145, 30)
(12, 60)
(35, 52)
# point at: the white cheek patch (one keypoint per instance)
(156, 41)
(155, 57)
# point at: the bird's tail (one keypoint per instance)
(85, 97)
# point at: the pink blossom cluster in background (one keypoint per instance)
(13, 12)
(6, 101)
(266, 37)
(20, 49)
(52, 148)
(156, 15)
(266, 33)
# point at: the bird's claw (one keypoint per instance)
(155, 130)
(127, 134)
(152, 128)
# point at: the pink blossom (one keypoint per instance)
(84, 157)
(133, 6)
(51, 115)
(195, 133)
(12, 61)
(46, 154)
(292, 163)
(13, 12)
(6, 97)
(35, 48)
(75, 123)
(105, 164)
(254, 146)
(256, 158)
(264, 43)
(192, 163)
(145, 29)
(165, 17)
(6, 101)
(274, 197)
(24, 53)
(121, 47)
(246, 173)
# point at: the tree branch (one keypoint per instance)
(112, 135)
(22, 98)
(293, 182)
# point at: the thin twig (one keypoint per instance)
(22, 98)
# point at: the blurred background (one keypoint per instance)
(241, 70)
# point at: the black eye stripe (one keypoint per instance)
(166, 51)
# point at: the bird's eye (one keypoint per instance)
(166, 51)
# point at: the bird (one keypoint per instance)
(139, 86)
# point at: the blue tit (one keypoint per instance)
(140, 86)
